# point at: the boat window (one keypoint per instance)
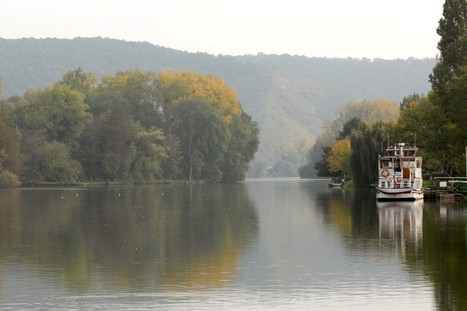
(397, 166)
(385, 164)
(419, 164)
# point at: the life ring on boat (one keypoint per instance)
(385, 173)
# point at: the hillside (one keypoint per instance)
(289, 96)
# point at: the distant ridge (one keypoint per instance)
(289, 96)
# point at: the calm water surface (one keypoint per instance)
(258, 245)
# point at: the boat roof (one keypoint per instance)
(403, 146)
(401, 150)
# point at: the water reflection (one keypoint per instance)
(445, 253)
(401, 223)
(127, 238)
(263, 244)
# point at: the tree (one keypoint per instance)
(142, 126)
(408, 100)
(59, 113)
(10, 155)
(345, 124)
(150, 153)
(452, 45)
(204, 139)
(137, 93)
(242, 147)
(367, 142)
(339, 158)
(322, 166)
(177, 87)
(237, 129)
(48, 161)
(171, 162)
(448, 83)
(79, 80)
(418, 123)
(109, 146)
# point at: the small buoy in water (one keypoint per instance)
(62, 197)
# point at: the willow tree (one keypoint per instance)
(370, 111)
(367, 143)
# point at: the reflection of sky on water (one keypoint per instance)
(307, 253)
(298, 250)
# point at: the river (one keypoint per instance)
(263, 244)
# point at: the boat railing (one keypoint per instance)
(397, 182)
(443, 182)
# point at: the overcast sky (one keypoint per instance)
(322, 28)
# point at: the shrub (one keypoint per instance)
(9, 180)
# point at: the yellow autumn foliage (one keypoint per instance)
(338, 159)
(189, 85)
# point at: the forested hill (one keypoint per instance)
(289, 96)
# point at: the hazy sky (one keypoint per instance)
(327, 28)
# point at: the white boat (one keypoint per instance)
(400, 174)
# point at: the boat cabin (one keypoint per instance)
(400, 168)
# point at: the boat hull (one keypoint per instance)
(394, 194)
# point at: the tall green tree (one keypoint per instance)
(242, 133)
(10, 155)
(108, 146)
(59, 113)
(171, 162)
(204, 139)
(452, 46)
(448, 83)
(150, 153)
(322, 166)
(242, 147)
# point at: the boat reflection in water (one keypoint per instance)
(401, 222)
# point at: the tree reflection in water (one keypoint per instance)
(128, 238)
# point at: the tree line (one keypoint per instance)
(434, 122)
(132, 126)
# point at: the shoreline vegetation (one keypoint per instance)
(135, 127)
(434, 123)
